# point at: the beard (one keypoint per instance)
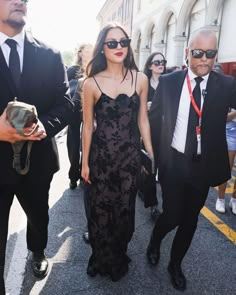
(16, 24)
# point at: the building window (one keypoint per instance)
(127, 12)
(113, 16)
(120, 13)
(139, 5)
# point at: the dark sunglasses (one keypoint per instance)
(198, 53)
(158, 62)
(113, 43)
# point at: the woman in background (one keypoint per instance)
(154, 67)
(75, 73)
(231, 142)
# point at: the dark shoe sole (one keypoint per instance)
(173, 281)
(40, 274)
(91, 271)
(73, 185)
(36, 268)
(153, 257)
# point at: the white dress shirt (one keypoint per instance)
(181, 126)
(20, 38)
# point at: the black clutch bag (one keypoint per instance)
(147, 162)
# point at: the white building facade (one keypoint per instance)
(165, 26)
(118, 11)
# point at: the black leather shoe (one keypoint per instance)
(73, 185)
(177, 277)
(153, 255)
(39, 264)
(86, 237)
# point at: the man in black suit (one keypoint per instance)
(43, 83)
(187, 119)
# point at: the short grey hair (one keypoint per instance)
(201, 31)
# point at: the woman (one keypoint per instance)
(115, 95)
(231, 142)
(75, 73)
(154, 67)
(73, 135)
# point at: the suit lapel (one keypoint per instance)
(29, 63)
(176, 95)
(212, 90)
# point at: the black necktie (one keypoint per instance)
(193, 121)
(14, 62)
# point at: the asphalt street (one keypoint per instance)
(209, 266)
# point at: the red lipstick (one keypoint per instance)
(119, 53)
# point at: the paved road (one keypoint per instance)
(210, 265)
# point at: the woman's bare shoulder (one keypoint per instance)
(142, 76)
(88, 81)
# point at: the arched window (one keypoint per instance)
(169, 41)
(196, 19)
(151, 45)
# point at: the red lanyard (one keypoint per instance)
(196, 108)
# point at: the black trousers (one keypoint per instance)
(74, 147)
(33, 198)
(184, 192)
(146, 184)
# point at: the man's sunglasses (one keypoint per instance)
(198, 53)
(113, 43)
(158, 62)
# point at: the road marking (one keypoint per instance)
(218, 223)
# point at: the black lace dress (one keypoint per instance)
(114, 164)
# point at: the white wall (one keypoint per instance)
(227, 45)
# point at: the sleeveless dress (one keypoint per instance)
(114, 164)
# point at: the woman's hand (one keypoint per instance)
(85, 173)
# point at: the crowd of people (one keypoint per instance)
(113, 111)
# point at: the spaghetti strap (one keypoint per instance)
(97, 84)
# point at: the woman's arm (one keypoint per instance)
(231, 115)
(88, 100)
(143, 120)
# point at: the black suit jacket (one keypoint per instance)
(44, 84)
(220, 95)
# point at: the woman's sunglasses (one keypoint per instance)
(113, 43)
(158, 62)
(198, 53)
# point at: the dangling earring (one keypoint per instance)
(102, 52)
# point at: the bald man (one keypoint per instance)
(187, 119)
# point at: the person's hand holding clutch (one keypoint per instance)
(147, 162)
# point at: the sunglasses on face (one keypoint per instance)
(198, 53)
(114, 44)
(159, 62)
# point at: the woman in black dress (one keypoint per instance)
(115, 97)
(154, 67)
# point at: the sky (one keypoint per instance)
(64, 24)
